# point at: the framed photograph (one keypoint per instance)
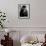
(24, 11)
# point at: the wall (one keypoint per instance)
(37, 21)
(37, 13)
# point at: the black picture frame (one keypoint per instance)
(24, 11)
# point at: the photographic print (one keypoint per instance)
(24, 10)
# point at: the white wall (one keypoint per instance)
(37, 13)
(37, 21)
